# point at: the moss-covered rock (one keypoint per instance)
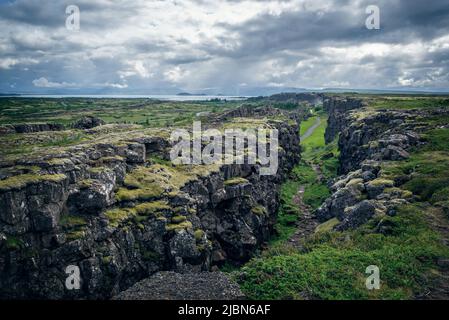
(235, 181)
(199, 234)
(327, 226)
(179, 226)
(70, 221)
(21, 181)
(259, 210)
(178, 219)
(119, 215)
(155, 208)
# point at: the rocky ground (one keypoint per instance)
(170, 285)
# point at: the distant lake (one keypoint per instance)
(159, 97)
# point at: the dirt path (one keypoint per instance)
(307, 223)
(310, 131)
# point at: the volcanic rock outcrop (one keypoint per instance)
(118, 210)
(367, 139)
(30, 127)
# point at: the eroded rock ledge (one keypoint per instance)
(118, 210)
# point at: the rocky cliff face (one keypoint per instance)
(336, 107)
(367, 139)
(30, 127)
(121, 212)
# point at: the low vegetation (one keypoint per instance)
(334, 265)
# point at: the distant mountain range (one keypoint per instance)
(246, 91)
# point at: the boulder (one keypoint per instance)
(88, 122)
(395, 153)
(377, 186)
(357, 215)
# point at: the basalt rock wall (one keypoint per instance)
(368, 138)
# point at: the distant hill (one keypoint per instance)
(190, 94)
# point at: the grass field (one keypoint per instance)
(145, 112)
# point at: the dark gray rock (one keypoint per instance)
(30, 128)
(357, 215)
(395, 153)
(88, 122)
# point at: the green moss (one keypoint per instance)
(148, 183)
(119, 215)
(20, 181)
(363, 113)
(382, 182)
(85, 184)
(14, 243)
(178, 226)
(404, 194)
(98, 169)
(235, 181)
(139, 219)
(124, 194)
(178, 219)
(75, 235)
(71, 221)
(158, 160)
(106, 260)
(155, 208)
(59, 161)
(327, 226)
(354, 182)
(112, 159)
(259, 210)
(199, 234)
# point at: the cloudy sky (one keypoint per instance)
(228, 47)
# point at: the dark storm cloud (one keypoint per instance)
(224, 44)
(52, 14)
(37, 13)
(344, 24)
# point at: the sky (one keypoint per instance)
(222, 47)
